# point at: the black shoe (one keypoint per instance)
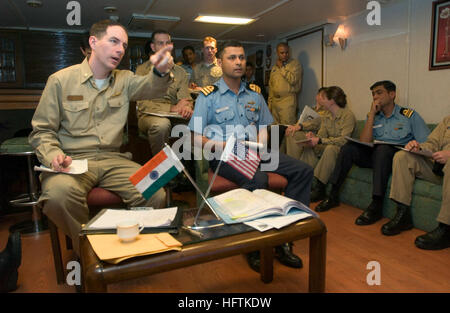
(284, 254)
(254, 261)
(401, 221)
(437, 239)
(371, 215)
(10, 260)
(318, 193)
(328, 203)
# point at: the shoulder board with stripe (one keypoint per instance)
(209, 89)
(255, 88)
(406, 112)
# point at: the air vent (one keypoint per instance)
(148, 23)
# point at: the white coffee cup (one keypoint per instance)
(129, 230)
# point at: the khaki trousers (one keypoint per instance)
(284, 109)
(64, 196)
(405, 168)
(158, 130)
(321, 157)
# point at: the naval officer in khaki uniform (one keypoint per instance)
(298, 131)
(81, 115)
(406, 167)
(321, 151)
(177, 99)
(284, 85)
(207, 72)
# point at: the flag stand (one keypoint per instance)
(208, 223)
(196, 225)
(203, 224)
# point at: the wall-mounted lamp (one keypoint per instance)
(34, 3)
(340, 36)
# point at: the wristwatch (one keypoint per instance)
(158, 73)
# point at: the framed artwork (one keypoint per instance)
(440, 36)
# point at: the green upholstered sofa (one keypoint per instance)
(357, 191)
(426, 201)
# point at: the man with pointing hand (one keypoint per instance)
(81, 115)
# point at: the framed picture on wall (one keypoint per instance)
(440, 36)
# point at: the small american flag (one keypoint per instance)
(243, 159)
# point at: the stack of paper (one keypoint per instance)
(77, 167)
(111, 249)
(277, 222)
(149, 218)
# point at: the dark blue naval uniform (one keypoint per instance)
(401, 127)
(219, 107)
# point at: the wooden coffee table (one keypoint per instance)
(97, 274)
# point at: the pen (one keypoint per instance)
(192, 232)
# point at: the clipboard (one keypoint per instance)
(303, 141)
(173, 228)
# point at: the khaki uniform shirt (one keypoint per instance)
(177, 90)
(285, 80)
(333, 129)
(74, 116)
(206, 74)
(439, 139)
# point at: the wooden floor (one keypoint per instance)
(403, 267)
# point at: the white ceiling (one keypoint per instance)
(275, 17)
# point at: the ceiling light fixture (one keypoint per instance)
(223, 20)
(34, 3)
(110, 9)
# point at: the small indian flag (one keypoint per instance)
(157, 172)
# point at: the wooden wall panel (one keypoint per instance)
(45, 53)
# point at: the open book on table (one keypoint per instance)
(240, 205)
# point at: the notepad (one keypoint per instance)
(75, 168)
(165, 114)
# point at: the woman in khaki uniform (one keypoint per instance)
(298, 131)
(321, 150)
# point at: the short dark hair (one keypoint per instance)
(226, 44)
(321, 89)
(156, 32)
(387, 84)
(188, 48)
(337, 94)
(282, 44)
(250, 64)
(99, 29)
